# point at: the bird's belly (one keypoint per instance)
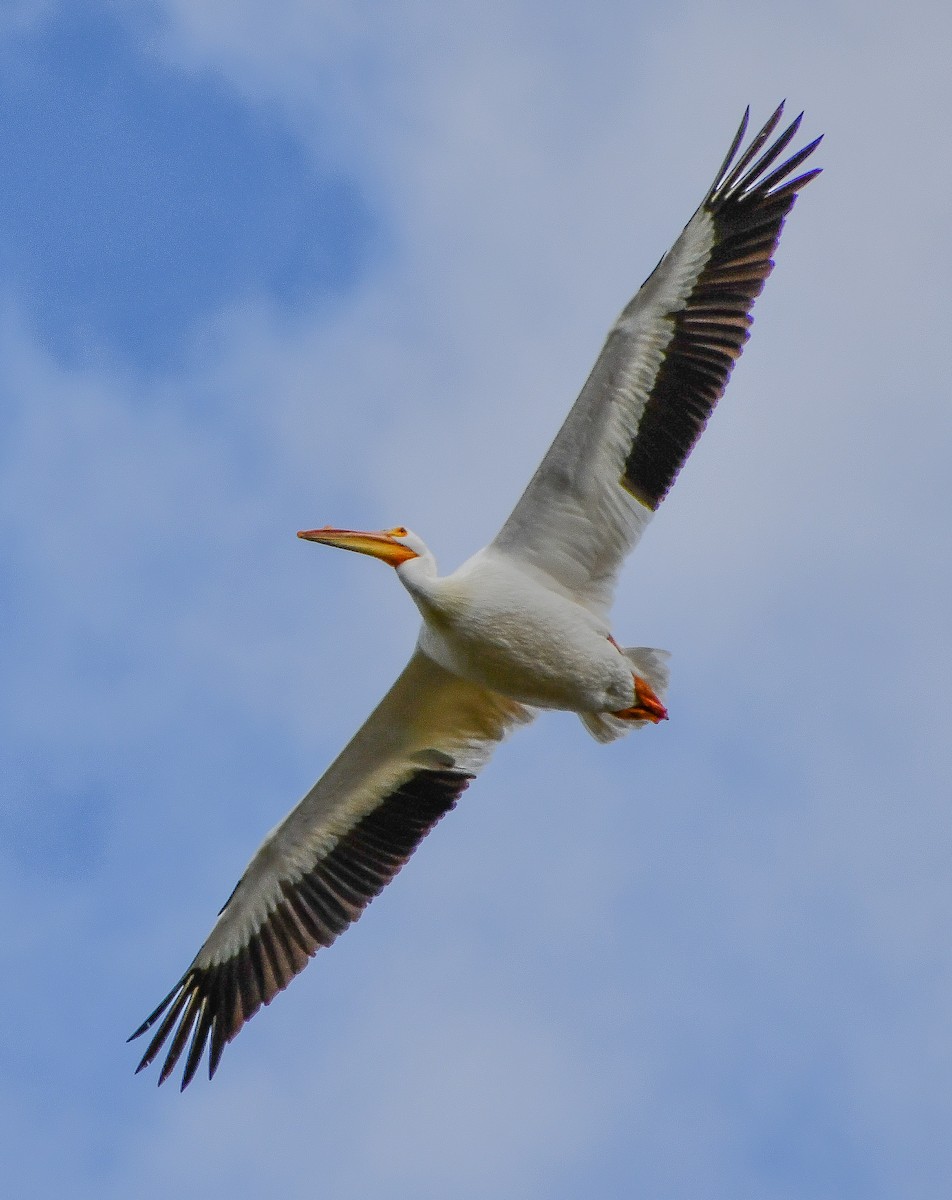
(553, 660)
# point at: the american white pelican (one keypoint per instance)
(523, 625)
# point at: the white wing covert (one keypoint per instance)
(662, 370)
(321, 866)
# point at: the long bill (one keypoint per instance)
(383, 544)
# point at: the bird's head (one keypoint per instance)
(393, 546)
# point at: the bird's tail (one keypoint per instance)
(652, 666)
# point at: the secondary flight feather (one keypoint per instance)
(522, 626)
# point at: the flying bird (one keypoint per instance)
(522, 625)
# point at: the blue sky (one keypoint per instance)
(142, 201)
(266, 266)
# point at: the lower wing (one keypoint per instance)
(318, 870)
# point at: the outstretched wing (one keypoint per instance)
(662, 370)
(317, 871)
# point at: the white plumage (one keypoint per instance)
(522, 625)
(496, 624)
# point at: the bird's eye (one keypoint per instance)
(400, 531)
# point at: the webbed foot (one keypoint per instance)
(647, 706)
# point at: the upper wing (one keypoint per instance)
(317, 871)
(663, 368)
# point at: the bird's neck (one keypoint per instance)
(419, 576)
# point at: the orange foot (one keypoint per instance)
(647, 707)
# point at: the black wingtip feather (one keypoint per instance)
(769, 156)
(156, 1012)
(725, 182)
(765, 186)
(728, 158)
(748, 204)
(203, 1027)
(210, 1004)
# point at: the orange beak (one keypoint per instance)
(382, 545)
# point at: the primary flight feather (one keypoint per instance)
(523, 625)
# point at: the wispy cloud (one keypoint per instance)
(709, 961)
